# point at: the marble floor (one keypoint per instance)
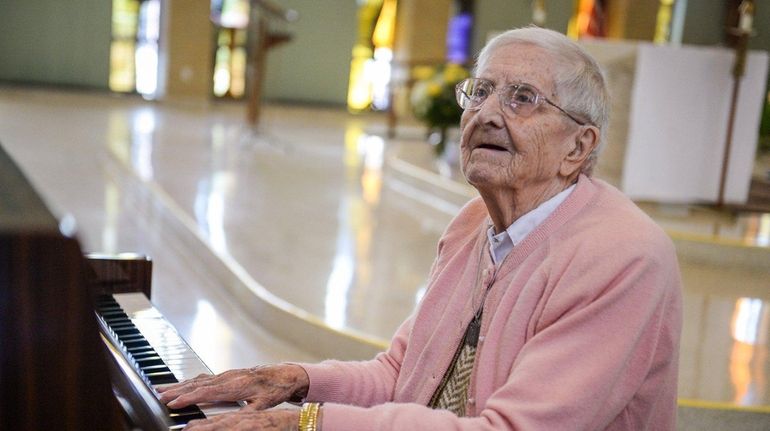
(316, 223)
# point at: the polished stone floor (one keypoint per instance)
(323, 217)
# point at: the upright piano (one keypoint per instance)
(81, 345)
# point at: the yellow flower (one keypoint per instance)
(434, 89)
(454, 73)
(420, 73)
(432, 96)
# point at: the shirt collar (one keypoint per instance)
(501, 244)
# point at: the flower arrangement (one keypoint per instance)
(433, 99)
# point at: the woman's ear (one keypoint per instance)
(583, 145)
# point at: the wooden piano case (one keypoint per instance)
(53, 369)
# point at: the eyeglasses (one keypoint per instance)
(521, 99)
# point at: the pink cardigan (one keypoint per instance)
(580, 330)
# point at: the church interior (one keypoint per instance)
(277, 163)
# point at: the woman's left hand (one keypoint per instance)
(247, 419)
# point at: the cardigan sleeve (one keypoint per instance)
(604, 346)
(363, 383)
(367, 383)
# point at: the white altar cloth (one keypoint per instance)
(678, 124)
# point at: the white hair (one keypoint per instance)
(579, 81)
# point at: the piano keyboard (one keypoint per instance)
(155, 350)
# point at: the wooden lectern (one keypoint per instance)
(263, 12)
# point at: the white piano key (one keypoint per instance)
(183, 362)
(162, 336)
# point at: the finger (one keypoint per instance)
(228, 421)
(204, 394)
(169, 392)
(194, 382)
(205, 390)
(197, 379)
(163, 388)
(258, 386)
(275, 420)
(197, 424)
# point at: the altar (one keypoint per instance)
(669, 120)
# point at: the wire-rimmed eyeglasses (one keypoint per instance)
(521, 99)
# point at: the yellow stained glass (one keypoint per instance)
(238, 72)
(230, 63)
(385, 29)
(663, 22)
(122, 76)
(222, 71)
(125, 18)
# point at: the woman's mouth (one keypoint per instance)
(492, 147)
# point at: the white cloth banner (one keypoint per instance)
(679, 115)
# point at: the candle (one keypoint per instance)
(746, 11)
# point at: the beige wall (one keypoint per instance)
(55, 42)
(421, 30)
(313, 66)
(641, 18)
(187, 45)
(498, 15)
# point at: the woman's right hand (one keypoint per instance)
(261, 387)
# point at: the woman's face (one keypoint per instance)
(504, 150)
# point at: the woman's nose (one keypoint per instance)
(491, 112)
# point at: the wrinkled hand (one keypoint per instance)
(249, 419)
(261, 387)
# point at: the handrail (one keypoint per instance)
(288, 15)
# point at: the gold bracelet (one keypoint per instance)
(308, 417)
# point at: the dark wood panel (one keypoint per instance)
(53, 366)
(53, 370)
(123, 273)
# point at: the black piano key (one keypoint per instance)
(113, 313)
(113, 324)
(106, 300)
(184, 410)
(139, 350)
(125, 329)
(161, 378)
(105, 308)
(161, 372)
(146, 352)
(156, 368)
(185, 414)
(117, 320)
(131, 337)
(121, 332)
(149, 361)
(135, 344)
(140, 353)
(144, 355)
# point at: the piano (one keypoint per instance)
(81, 345)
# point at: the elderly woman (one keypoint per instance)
(554, 303)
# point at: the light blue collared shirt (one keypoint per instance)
(502, 243)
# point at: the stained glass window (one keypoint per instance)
(231, 18)
(134, 46)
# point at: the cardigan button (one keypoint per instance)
(487, 275)
(471, 400)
